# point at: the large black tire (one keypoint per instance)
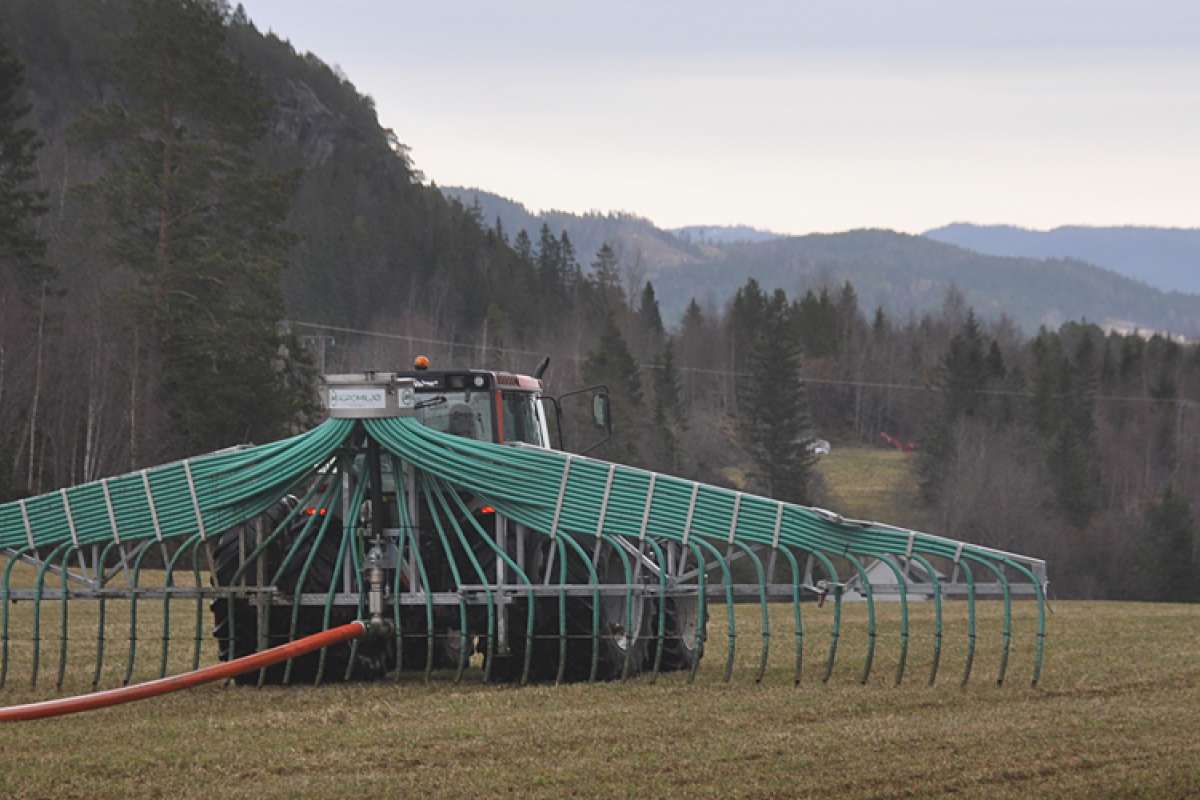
(684, 631)
(683, 644)
(620, 652)
(373, 658)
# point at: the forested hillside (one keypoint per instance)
(722, 234)
(359, 206)
(634, 239)
(1166, 258)
(199, 181)
(1033, 282)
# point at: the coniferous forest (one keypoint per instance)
(195, 219)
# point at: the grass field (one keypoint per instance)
(872, 483)
(1117, 715)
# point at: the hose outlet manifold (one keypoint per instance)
(374, 580)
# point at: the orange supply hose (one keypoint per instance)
(228, 669)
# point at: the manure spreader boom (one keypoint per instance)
(431, 509)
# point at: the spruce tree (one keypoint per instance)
(817, 323)
(773, 413)
(962, 376)
(200, 226)
(996, 369)
(1133, 351)
(746, 320)
(569, 263)
(1165, 390)
(670, 421)
(549, 266)
(1074, 457)
(22, 250)
(1108, 366)
(881, 326)
(807, 316)
(1064, 391)
(964, 371)
(648, 312)
(613, 365)
(1168, 561)
(846, 314)
(693, 319)
(607, 277)
(523, 247)
(827, 328)
(1047, 358)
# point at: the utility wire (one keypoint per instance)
(911, 387)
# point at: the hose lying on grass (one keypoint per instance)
(141, 691)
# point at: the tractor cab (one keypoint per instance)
(480, 404)
(495, 406)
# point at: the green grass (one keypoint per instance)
(1116, 715)
(872, 483)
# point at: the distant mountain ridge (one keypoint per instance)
(904, 273)
(1166, 258)
(636, 239)
(723, 234)
(900, 272)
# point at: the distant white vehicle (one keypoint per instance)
(819, 447)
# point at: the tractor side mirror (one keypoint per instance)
(601, 413)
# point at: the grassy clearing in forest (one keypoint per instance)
(872, 483)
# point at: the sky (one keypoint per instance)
(798, 117)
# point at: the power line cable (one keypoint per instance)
(912, 387)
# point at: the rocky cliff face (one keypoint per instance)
(302, 121)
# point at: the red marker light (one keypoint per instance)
(487, 510)
(310, 511)
(323, 510)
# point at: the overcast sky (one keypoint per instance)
(809, 115)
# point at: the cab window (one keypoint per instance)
(521, 421)
(466, 414)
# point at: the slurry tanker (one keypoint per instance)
(430, 525)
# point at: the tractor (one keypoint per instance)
(481, 405)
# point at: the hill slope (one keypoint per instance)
(1166, 258)
(368, 229)
(902, 273)
(636, 239)
(723, 234)
(911, 273)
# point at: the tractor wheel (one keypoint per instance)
(683, 641)
(373, 658)
(543, 665)
(620, 642)
(615, 641)
(682, 645)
